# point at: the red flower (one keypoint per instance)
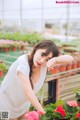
(77, 115)
(32, 115)
(71, 103)
(60, 110)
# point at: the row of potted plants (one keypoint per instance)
(59, 111)
(3, 69)
(6, 45)
(65, 67)
(71, 46)
(31, 38)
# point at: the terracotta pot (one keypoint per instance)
(13, 48)
(54, 70)
(5, 50)
(1, 73)
(22, 48)
(74, 65)
(1, 62)
(62, 68)
(78, 64)
(69, 66)
(1, 49)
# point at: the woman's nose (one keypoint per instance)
(42, 60)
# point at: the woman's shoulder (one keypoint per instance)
(23, 59)
(22, 56)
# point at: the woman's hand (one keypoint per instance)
(51, 63)
(59, 60)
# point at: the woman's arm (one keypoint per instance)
(59, 60)
(29, 92)
(64, 59)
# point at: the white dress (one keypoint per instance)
(12, 95)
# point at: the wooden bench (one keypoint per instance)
(61, 86)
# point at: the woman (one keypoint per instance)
(26, 76)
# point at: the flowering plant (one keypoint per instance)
(58, 111)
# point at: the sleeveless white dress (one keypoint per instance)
(12, 95)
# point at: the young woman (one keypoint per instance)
(26, 76)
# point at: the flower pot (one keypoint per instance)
(54, 70)
(1, 49)
(1, 73)
(5, 50)
(14, 49)
(78, 64)
(69, 66)
(1, 62)
(74, 65)
(22, 48)
(62, 68)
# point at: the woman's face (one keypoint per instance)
(40, 57)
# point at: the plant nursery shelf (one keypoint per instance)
(60, 75)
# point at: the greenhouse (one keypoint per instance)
(45, 85)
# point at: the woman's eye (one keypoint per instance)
(47, 60)
(42, 54)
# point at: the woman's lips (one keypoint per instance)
(38, 63)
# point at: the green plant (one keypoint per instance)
(14, 45)
(58, 111)
(78, 95)
(77, 92)
(3, 67)
(5, 46)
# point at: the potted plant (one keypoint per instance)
(58, 111)
(69, 66)
(74, 65)
(78, 64)
(54, 70)
(3, 69)
(62, 68)
(5, 48)
(22, 47)
(14, 47)
(77, 116)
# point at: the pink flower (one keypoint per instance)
(71, 103)
(32, 115)
(60, 110)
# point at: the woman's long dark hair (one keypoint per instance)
(50, 47)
